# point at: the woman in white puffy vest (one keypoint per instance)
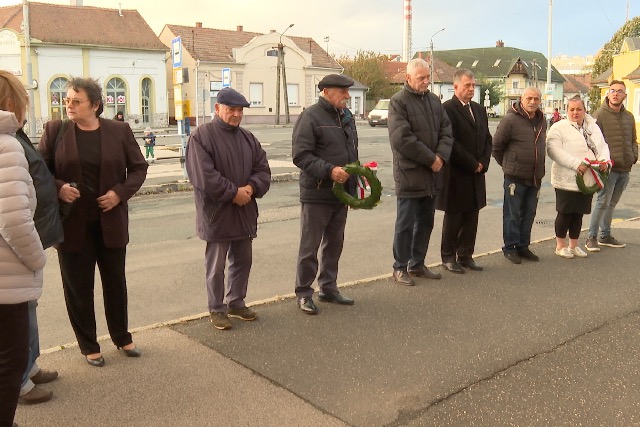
(21, 255)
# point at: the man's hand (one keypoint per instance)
(479, 168)
(437, 164)
(108, 201)
(339, 175)
(243, 196)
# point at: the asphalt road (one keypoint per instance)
(165, 259)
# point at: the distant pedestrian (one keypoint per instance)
(555, 117)
(149, 142)
(119, 116)
(619, 129)
(519, 147)
(324, 140)
(465, 190)
(421, 141)
(228, 170)
(574, 145)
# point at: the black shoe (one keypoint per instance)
(99, 362)
(306, 304)
(471, 265)
(134, 352)
(513, 257)
(402, 277)
(338, 298)
(528, 255)
(453, 267)
(423, 271)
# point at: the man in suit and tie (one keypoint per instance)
(464, 192)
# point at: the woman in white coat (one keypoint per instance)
(21, 255)
(574, 144)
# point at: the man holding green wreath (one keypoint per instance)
(324, 140)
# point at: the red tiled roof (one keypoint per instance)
(397, 71)
(213, 45)
(83, 25)
(577, 83)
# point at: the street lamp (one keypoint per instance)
(282, 69)
(431, 46)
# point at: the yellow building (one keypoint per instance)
(626, 67)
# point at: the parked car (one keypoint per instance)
(380, 113)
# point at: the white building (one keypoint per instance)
(116, 47)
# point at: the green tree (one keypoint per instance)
(495, 91)
(605, 57)
(368, 68)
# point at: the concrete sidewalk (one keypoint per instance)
(553, 343)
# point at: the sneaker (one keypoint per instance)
(564, 252)
(611, 242)
(578, 252)
(35, 395)
(220, 320)
(592, 245)
(244, 313)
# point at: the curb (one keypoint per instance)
(182, 185)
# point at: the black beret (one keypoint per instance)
(232, 98)
(335, 80)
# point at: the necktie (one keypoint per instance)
(470, 112)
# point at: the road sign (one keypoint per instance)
(176, 52)
(226, 77)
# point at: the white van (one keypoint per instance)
(380, 113)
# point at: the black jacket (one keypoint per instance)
(419, 129)
(519, 146)
(464, 189)
(322, 140)
(47, 215)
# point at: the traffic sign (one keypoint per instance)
(226, 77)
(176, 52)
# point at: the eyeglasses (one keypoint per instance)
(618, 91)
(73, 101)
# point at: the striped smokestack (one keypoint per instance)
(406, 39)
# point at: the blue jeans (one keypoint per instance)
(414, 223)
(606, 201)
(518, 212)
(34, 348)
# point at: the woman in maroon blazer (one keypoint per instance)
(98, 166)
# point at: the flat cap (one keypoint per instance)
(232, 98)
(335, 80)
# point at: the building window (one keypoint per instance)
(475, 63)
(57, 91)
(515, 84)
(146, 100)
(459, 64)
(495, 64)
(116, 98)
(292, 93)
(255, 94)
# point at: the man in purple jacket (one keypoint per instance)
(228, 170)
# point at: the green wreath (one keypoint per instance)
(368, 202)
(604, 176)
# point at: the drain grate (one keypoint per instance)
(545, 222)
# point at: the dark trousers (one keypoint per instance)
(414, 223)
(14, 352)
(78, 272)
(240, 259)
(321, 227)
(571, 223)
(518, 213)
(459, 231)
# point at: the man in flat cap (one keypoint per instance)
(228, 170)
(324, 140)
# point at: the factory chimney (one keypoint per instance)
(406, 39)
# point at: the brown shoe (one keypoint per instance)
(402, 277)
(43, 376)
(35, 395)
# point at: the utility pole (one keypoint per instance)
(432, 64)
(549, 103)
(281, 69)
(27, 46)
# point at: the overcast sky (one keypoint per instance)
(579, 27)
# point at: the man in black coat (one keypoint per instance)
(464, 192)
